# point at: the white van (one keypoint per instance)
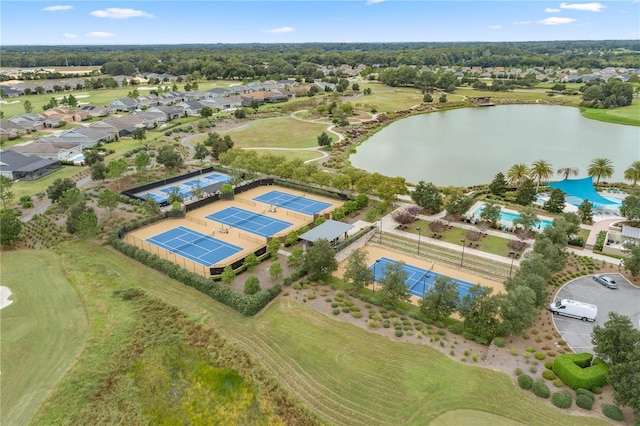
(575, 309)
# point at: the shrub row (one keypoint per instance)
(577, 371)
(245, 304)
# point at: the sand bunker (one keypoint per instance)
(5, 293)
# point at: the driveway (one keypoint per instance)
(625, 300)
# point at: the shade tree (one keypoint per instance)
(441, 299)
(393, 282)
(319, 261)
(357, 272)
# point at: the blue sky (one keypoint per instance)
(27, 22)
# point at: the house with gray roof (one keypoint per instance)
(10, 130)
(165, 113)
(15, 166)
(86, 137)
(29, 121)
(191, 108)
(123, 104)
(127, 124)
(86, 112)
(62, 151)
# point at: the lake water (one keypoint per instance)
(469, 146)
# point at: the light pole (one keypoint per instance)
(513, 255)
(462, 257)
(380, 234)
(419, 233)
(424, 283)
(375, 268)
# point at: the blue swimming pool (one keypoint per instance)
(509, 217)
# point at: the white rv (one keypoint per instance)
(574, 309)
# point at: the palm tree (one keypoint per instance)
(600, 168)
(517, 174)
(568, 171)
(633, 172)
(541, 170)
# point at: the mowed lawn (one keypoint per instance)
(345, 374)
(388, 99)
(42, 331)
(629, 115)
(277, 133)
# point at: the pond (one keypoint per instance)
(466, 147)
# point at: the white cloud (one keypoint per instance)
(57, 8)
(495, 27)
(370, 2)
(521, 22)
(118, 13)
(69, 35)
(282, 30)
(588, 7)
(551, 10)
(556, 20)
(99, 34)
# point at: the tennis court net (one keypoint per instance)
(290, 200)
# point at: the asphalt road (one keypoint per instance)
(625, 300)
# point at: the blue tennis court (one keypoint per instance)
(184, 192)
(194, 246)
(255, 223)
(418, 280)
(296, 203)
(157, 198)
(217, 178)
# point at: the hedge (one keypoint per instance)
(562, 399)
(577, 371)
(525, 381)
(612, 412)
(539, 388)
(245, 304)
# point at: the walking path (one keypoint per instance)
(388, 225)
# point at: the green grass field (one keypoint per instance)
(629, 115)
(345, 374)
(43, 331)
(489, 244)
(276, 133)
(388, 99)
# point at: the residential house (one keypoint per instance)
(325, 86)
(86, 137)
(216, 93)
(10, 91)
(62, 151)
(29, 121)
(148, 100)
(127, 124)
(86, 112)
(123, 104)
(262, 97)
(104, 127)
(10, 130)
(63, 113)
(191, 108)
(164, 113)
(14, 165)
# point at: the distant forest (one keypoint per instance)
(211, 61)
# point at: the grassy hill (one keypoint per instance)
(343, 373)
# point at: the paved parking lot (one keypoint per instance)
(625, 300)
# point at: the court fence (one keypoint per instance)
(245, 304)
(299, 215)
(196, 220)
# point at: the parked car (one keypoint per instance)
(606, 281)
(574, 309)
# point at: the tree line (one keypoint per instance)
(211, 61)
